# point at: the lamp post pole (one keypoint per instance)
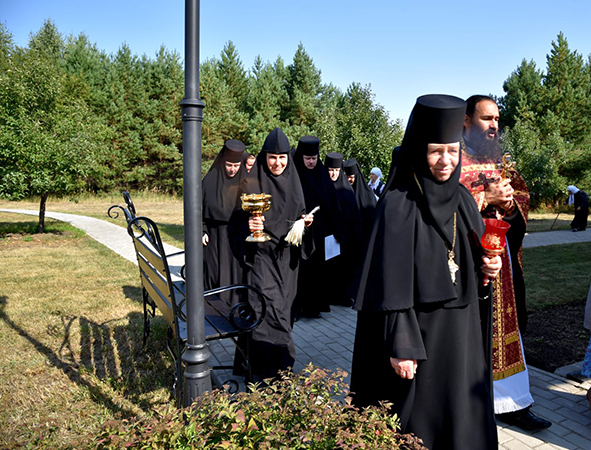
(197, 376)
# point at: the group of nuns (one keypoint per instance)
(419, 273)
(292, 277)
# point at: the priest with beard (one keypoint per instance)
(272, 266)
(505, 199)
(312, 297)
(422, 339)
(349, 234)
(220, 200)
(366, 199)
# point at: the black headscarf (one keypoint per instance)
(318, 188)
(406, 260)
(366, 199)
(220, 192)
(350, 227)
(287, 203)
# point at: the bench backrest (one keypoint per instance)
(155, 273)
(221, 319)
(129, 211)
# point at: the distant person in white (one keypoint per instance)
(375, 181)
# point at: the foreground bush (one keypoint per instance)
(302, 411)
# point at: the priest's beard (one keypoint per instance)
(486, 148)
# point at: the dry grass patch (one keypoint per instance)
(166, 211)
(71, 352)
(548, 222)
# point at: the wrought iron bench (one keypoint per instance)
(166, 291)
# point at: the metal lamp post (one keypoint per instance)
(197, 376)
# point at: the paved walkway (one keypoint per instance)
(328, 342)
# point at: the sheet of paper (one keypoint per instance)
(331, 247)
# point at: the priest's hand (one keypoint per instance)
(499, 193)
(308, 219)
(205, 240)
(490, 267)
(256, 223)
(405, 368)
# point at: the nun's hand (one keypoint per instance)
(308, 219)
(256, 223)
(490, 267)
(405, 368)
(205, 239)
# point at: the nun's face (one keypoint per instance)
(333, 173)
(277, 162)
(249, 162)
(351, 179)
(310, 161)
(443, 159)
(232, 168)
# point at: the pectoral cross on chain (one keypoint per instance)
(453, 267)
(505, 165)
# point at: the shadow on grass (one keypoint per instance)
(28, 227)
(176, 232)
(133, 293)
(113, 352)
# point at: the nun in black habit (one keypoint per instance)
(220, 200)
(349, 233)
(272, 267)
(319, 191)
(422, 333)
(366, 199)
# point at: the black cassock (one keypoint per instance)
(272, 267)
(449, 403)
(580, 220)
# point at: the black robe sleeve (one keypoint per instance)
(406, 341)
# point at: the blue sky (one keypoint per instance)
(403, 48)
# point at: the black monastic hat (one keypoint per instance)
(234, 150)
(351, 167)
(333, 160)
(309, 145)
(276, 142)
(437, 119)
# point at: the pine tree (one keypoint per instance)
(566, 88)
(303, 86)
(523, 91)
(231, 70)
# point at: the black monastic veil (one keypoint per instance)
(349, 235)
(220, 200)
(366, 199)
(319, 190)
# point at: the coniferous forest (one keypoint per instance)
(75, 119)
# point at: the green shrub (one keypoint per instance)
(299, 411)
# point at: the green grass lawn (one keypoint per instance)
(71, 352)
(556, 274)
